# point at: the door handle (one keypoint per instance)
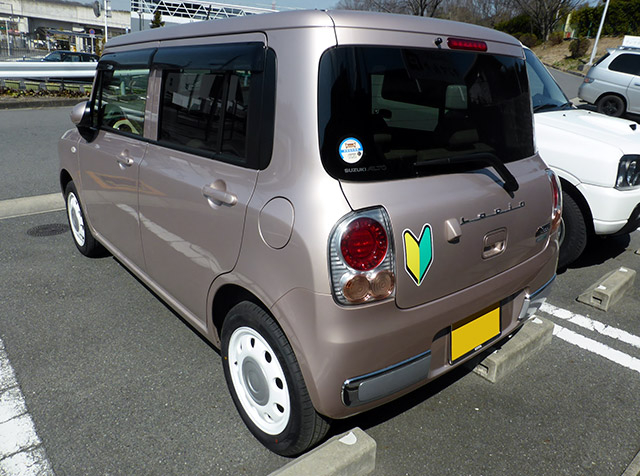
(218, 195)
(494, 243)
(124, 159)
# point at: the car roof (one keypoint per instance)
(311, 19)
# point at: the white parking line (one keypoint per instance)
(17, 207)
(21, 451)
(591, 345)
(597, 348)
(590, 324)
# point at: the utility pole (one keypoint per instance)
(595, 45)
(106, 15)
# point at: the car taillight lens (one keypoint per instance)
(556, 194)
(362, 257)
(364, 244)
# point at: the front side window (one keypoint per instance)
(388, 113)
(120, 95)
(122, 100)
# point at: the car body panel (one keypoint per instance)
(200, 256)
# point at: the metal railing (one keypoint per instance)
(47, 69)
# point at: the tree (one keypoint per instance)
(479, 12)
(407, 7)
(546, 14)
(157, 20)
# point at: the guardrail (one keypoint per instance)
(46, 69)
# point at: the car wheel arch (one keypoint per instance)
(223, 300)
(580, 200)
(65, 178)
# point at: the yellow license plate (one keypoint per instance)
(471, 333)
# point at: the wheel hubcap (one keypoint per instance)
(75, 219)
(259, 381)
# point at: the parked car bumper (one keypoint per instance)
(613, 210)
(393, 351)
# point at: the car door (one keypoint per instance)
(204, 166)
(109, 164)
(627, 76)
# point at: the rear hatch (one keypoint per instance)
(442, 140)
(468, 225)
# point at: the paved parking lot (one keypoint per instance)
(115, 383)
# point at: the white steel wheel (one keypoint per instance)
(266, 382)
(82, 237)
(259, 380)
(76, 220)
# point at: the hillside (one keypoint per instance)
(559, 56)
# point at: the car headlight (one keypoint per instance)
(628, 172)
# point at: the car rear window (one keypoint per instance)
(626, 63)
(389, 113)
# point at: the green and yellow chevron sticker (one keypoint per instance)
(418, 253)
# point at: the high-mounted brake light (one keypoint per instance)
(462, 44)
(362, 257)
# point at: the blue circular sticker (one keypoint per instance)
(351, 150)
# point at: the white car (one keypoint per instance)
(597, 158)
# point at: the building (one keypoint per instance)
(34, 27)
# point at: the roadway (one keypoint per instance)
(113, 382)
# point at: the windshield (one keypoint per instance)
(388, 113)
(546, 95)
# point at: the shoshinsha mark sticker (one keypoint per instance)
(418, 253)
(351, 150)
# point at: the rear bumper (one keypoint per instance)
(356, 358)
(383, 383)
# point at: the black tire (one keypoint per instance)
(611, 105)
(82, 237)
(574, 234)
(266, 383)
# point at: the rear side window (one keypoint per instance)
(121, 95)
(626, 63)
(388, 113)
(209, 96)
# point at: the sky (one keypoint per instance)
(279, 4)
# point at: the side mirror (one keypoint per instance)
(78, 112)
(81, 117)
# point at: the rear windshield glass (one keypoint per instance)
(389, 113)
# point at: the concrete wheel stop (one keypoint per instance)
(350, 454)
(609, 289)
(534, 335)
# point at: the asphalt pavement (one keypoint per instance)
(116, 383)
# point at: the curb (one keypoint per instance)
(351, 454)
(18, 103)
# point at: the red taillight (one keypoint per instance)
(556, 194)
(462, 44)
(364, 244)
